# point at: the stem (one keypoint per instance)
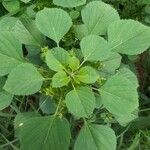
(8, 143)
(58, 44)
(120, 142)
(6, 115)
(4, 145)
(123, 132)
(146, 109)
(85, 122)
(95, 89)
(58, 108)
(81, 64)
(47, 79)
(73, 85)
(42, 104)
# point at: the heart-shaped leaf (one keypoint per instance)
(24, 80)
(53, 23)
(69, 3)
(81, 102)
(129, 37)
(96, 137)
(97, 16)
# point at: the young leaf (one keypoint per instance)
(5, 98)
(97, 16)
(52, 62)
(87, 75)
(53, 23)
(60, 79)
(68, 3)
(44, 133)
(96, 137)
(129, 37)
(61, 55)
(24, 80)
(11, 53)
(57, 59)
(94, 48)
(81, 102)
(74, 63)
(119, 95)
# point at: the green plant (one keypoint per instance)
(75, 69)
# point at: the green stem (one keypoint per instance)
(146, 109)
(47, 79)
(58, 107)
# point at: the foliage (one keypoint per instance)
(64, 78)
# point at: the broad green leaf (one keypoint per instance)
(60, 79)
(128, 37)
(111, 64)
(25, 30)
(11, 53)
(128, 74)
(124, 120)
(22, 117)
(97, 16)
(80, 31)
(94, 48)
(11, 5)
(24, 80)
(96, 137)
(45, 133)
(5, 98)
(7, 23)
(69, 3)
(57, 59)
(87, 75)
(81, 102)
(53, 23)
(119, 95)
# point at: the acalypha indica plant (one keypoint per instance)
(69, 58)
